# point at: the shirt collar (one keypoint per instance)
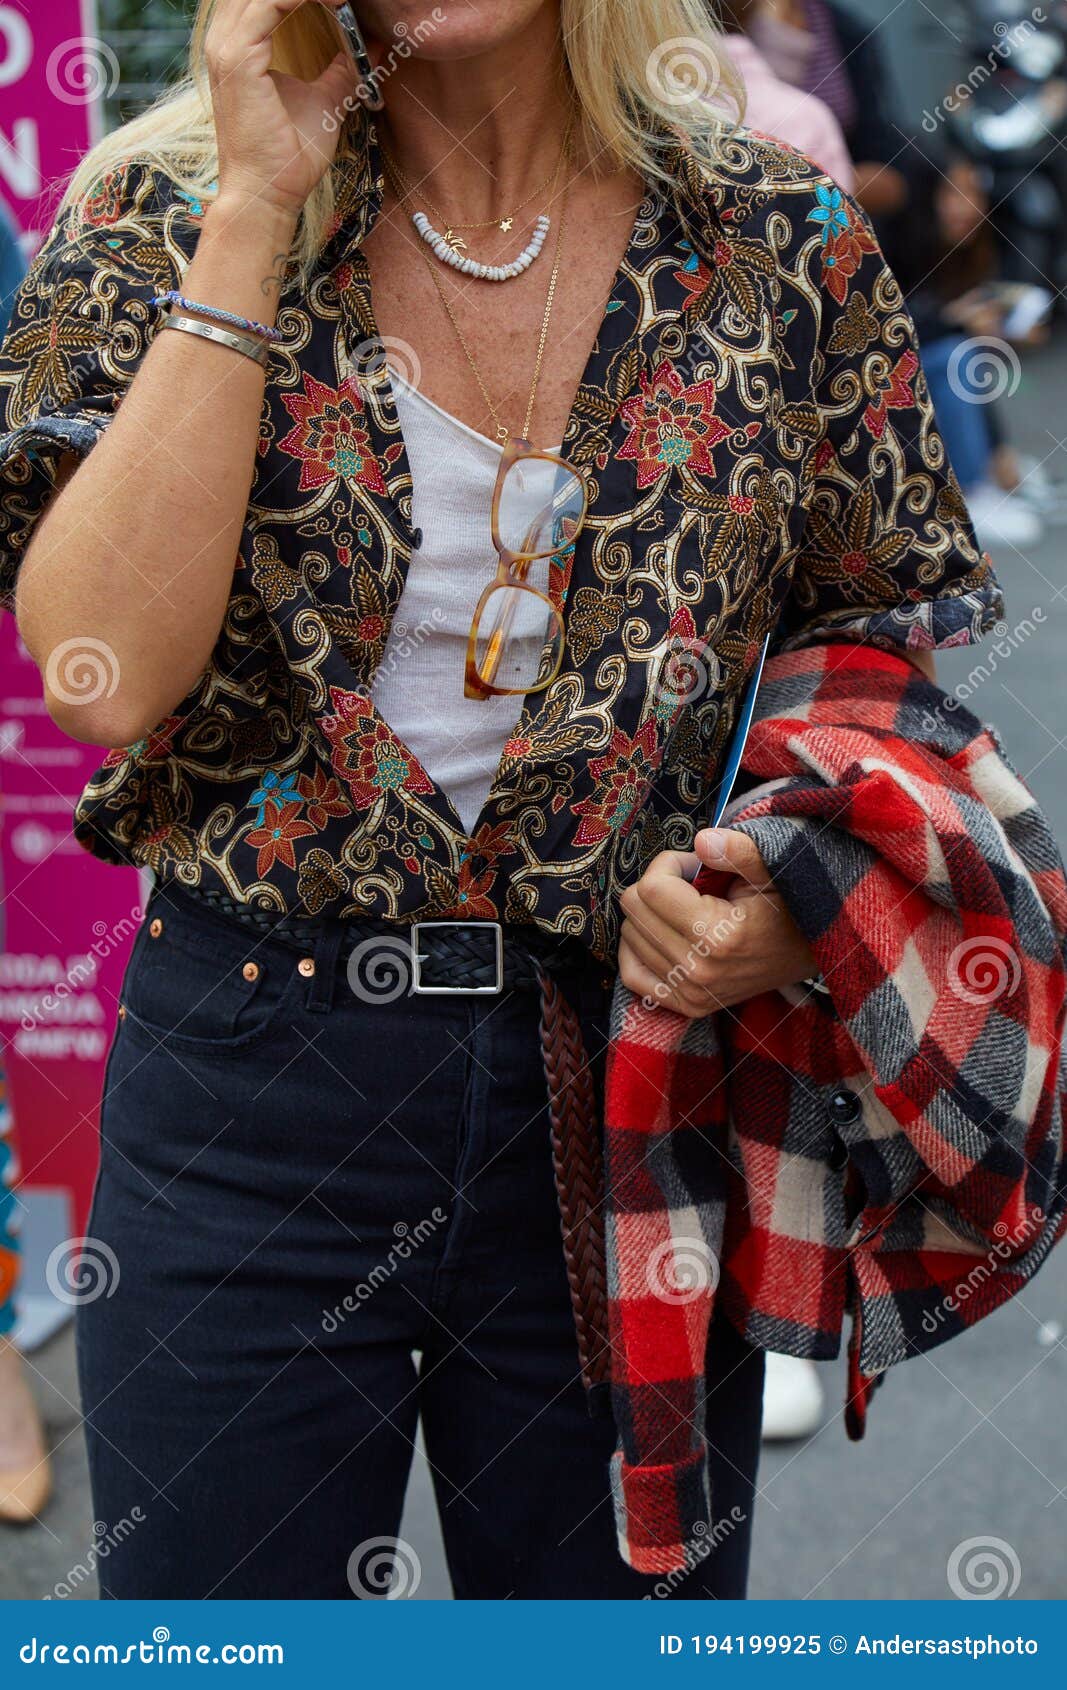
(359, 186)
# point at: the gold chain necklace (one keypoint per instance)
(504, 224)
(503, 434)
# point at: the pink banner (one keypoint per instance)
(68, 919)
(54, 71)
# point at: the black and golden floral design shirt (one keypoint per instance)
(761, 454)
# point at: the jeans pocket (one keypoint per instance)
(204, 985)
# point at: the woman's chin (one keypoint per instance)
(441, 33)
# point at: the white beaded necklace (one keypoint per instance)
(470, 266)
(448, 247)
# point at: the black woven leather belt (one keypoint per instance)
(473, 958)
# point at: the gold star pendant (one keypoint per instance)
(505, 224)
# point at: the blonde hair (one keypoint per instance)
(645, 74)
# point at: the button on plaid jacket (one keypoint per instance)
(890, 1146)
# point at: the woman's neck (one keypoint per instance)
(480, 133)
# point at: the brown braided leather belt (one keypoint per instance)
(484, 958)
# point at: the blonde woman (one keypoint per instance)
(419, 572)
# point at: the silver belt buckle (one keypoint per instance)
(420, 990)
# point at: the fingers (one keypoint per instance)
(243, 24)
(654, 955)
(733, 853)
(672, 928)
(339, 79)
(681, 945)
(262, 17)
(660, 938)
(695, 953)
(666, 889)
(680, 970)
(644, 982)
(695, 964)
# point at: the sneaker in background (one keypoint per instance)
(1003, 519)
(792, 1399)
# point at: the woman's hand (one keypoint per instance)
(694, 953)
(277, 135)
(975, 313)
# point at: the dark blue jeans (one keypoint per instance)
(333, 1218)
(963, 421)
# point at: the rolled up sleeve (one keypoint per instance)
(80, 326)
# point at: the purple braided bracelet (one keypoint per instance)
(249, 324)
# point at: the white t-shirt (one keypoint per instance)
(418, 689)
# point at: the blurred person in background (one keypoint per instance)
(943, 254)
(827, 51)
(775, 108)
(25, 1478)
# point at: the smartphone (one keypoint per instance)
(369, 92)
(347, 19)
(1028, 307)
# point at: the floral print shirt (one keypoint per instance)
(761, 455)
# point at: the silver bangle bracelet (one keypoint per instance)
(245, 344)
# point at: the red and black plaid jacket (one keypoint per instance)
(890, 1146)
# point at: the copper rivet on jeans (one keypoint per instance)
(306, 967)
(122, 1012)
(156, 928)
(251, 971)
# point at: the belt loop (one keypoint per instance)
(323, 982)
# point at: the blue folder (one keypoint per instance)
(732, 764)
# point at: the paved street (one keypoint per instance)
(965, 1444)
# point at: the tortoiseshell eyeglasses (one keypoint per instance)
(516, 638)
